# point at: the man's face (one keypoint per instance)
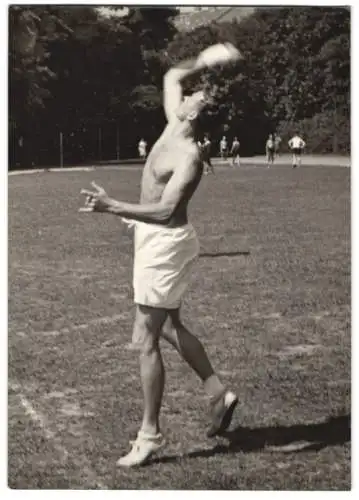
(193, 105)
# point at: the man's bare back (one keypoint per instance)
(169, 154)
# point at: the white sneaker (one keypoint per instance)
(142, 449)
(222, 411)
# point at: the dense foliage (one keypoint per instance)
(98, 80)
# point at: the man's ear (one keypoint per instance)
(192, 116)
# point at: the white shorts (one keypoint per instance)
(163, 264)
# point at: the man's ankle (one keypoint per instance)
(149, 431)
(214, 387)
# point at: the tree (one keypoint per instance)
(71, 69)
(86, 76)
(30, 31)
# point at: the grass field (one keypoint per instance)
(270, 297)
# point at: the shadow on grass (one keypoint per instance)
(223, 254)
(292, 439)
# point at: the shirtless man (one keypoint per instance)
(166, 246)
(223, 148)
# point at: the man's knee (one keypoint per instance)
(147, 328)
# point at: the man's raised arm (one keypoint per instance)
(172, 85)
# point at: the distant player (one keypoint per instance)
(206, 156)
(270, 150)
(296, 145)
(142, 149)
(277, 141)
(236, 160)
(223, 148)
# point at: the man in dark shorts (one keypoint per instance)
(206, 156)
(223, 148)
(235, 152)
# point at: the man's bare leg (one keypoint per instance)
(209, 167)
(294, 160)
(192, 351)
(146, 333)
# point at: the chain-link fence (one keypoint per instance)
(88, 144)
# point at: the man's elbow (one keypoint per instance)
(174, 76)
(165, 213)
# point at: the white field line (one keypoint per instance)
(40, 420)
(41, 170)
(74, 169)
(108, 320)
(104, 320)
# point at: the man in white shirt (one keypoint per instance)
(142, 149)
(296, 145)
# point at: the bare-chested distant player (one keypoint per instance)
(166, 247)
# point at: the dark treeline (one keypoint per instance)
(95, 82)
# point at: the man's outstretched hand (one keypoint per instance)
(96, 201)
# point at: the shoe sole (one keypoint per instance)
(134, 465)
(144, 462)
(225, 422)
